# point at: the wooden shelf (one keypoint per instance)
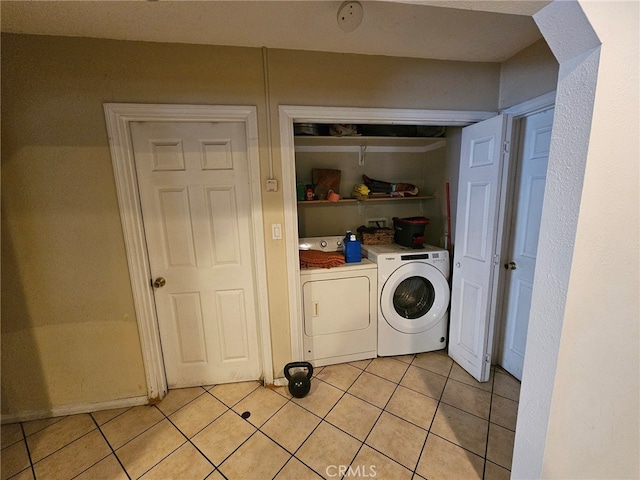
(415, 144)
(355, 200)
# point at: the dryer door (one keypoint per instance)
(415, 297)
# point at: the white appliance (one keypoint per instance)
(339, 307)
(413, 292)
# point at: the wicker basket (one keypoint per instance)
(381, 236)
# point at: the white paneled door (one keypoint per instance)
(194, 188)
(476, 243)
(531, 175)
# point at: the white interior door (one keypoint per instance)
(476, 242)
(531, 175)
(194, 188)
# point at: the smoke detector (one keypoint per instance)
(350, 16)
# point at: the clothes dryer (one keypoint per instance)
(339, 318)
(413, 298)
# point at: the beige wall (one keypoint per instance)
(529, 74)
(69, 334)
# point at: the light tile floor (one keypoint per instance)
(408, 417)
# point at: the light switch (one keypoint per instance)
(276, 231)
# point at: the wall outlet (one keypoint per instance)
(276, 231)
(272, 185)
(377, 222)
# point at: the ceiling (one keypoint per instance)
(473, 30)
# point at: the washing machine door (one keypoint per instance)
(415, 297)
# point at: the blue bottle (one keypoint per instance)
(352, 249)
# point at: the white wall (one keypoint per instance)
(579, 412)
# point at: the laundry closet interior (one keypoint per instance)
(344, 310)
(448, 291)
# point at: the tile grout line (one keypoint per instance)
(342, 395)
(486, 448)
(383, 410)
(345, 392)
(204, 391)
(57, 420)
(238, 448)
(488, 420)
(439, 400)
(322, 419)
(257, 428)
(111, 419)
(58, 449)
(113, 452)
(140, 433)
(135, 436)
(26, 445)
(433, 419)
(228, 409)
(187, 440)
(207, 425)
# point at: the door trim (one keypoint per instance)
(518, 112)
(532, 106)
(288, 114)
(118, 119)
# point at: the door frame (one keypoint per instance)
(288, 114)
(518, 113)
(118, 119)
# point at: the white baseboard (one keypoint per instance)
(72, 409)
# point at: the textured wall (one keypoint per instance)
(578, 414)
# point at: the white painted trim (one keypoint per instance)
(259, 255)
(532, 106)
(370, 149)
(308, 114)
(288, 160)
(397, 116)
(518, 113)
(73, 409)
(118, 117)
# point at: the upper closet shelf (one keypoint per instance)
(370, 144)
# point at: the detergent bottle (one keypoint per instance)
(352, 248)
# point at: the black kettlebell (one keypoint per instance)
(299, 382)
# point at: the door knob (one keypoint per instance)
(510, 266)
(159, 282)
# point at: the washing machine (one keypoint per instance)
(413, 298)
(340, 315)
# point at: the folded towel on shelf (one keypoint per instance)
(320, 259)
